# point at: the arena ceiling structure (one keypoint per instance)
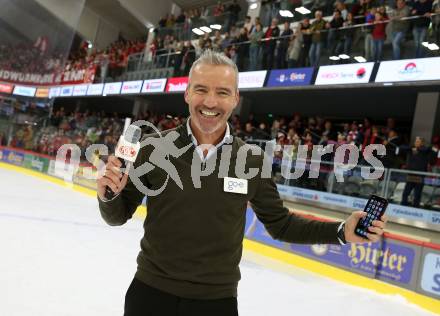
(137, 13)
(118, 12)
(132, 17)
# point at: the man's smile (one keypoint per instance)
(209, 114)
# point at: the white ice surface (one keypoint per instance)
(58, 258)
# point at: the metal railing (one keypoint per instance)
(406, 187)
(399, 186)
(413, 188)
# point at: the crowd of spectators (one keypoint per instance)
(36, 58)
(86, 128)
(362, 27)
(311, 131)
(400, 154)
(266, 42)
(110, 62)
(80, 128)
(29, 58)
(253, 44)
(225, 14)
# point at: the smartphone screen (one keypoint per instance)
(375, 208)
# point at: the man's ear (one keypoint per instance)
(237, 98)
(186, 96)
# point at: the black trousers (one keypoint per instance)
(144, 300)
(418, 188)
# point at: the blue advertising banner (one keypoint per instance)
(290, 77)
(12, 157)
(256, 231)
(386, 260)
(2, 154)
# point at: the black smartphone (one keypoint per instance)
(375, 208)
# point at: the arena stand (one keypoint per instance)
(33, 129)
(46, 135)
(346, 31)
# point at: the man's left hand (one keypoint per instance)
(375, 231)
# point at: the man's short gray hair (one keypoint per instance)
(210, 57)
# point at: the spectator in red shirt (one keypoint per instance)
(373, 137)
(378, 36)
(219, 9)
(269, 46)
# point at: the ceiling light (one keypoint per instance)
(425, 44)
(344, 56)
(206, 29)
(360, 59)
(198, 31)
(303, 10)
(215, 26)
(253, 6)
(433, 46)
(286, 14)
(334, 58)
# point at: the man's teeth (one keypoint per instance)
(208, 113)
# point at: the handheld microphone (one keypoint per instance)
(127, 151)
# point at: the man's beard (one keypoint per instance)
(220, 121)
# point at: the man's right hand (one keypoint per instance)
(112, 178)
